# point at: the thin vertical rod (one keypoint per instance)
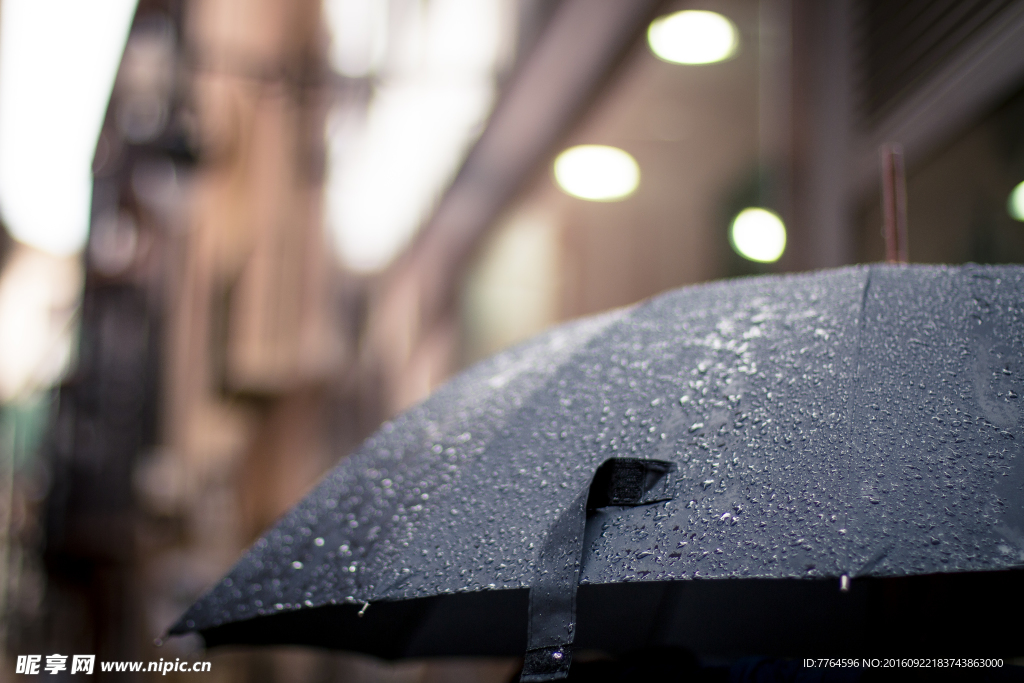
(894, 202)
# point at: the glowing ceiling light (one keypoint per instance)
(1015, 203)
(758, 235)
(693, 37)
(597, 172)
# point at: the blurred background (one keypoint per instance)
(238, 235)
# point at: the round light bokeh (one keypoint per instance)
(1015, 203)
(597, 173)
(758, 235)
(693, 37)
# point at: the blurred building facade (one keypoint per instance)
(228, 356)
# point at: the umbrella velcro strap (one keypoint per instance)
(552, 617)
(629, 481)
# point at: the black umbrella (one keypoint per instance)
(709, 468)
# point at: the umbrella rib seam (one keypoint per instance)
(845, 472)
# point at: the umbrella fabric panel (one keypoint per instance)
(385, 524)
(617, 394)
(745, 386)
(936, 474)
(458, 494)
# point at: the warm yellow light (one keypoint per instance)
(758, 235)
(693, 37)
(597, 172)
(1015, 204)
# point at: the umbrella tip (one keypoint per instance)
(366, 606)
(844, 583)
(159, 642)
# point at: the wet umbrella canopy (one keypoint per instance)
(756, 434)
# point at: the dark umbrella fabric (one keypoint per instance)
(861, 422)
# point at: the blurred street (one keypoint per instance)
(237, 236)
